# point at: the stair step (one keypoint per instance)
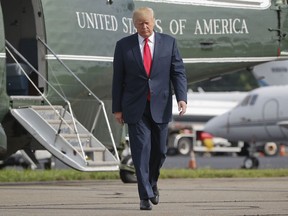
(67, 127)
(74, 136)
(95, 154)
(46, 107)
(102, 163)
(73, 139)
(47, 112)
(91, 149)
(58, 121)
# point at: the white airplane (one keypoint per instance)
(203, 106)
(262, 116)
(271, 73)
(185, 131)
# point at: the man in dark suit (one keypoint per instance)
(142, 97)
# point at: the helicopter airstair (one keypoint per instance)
(56, 128)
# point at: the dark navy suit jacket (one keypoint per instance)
(131, 83)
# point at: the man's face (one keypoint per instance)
(144, 23)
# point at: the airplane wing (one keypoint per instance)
(283, 124)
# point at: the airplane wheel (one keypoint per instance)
(184, 146)
(128, 176)
(251, 163)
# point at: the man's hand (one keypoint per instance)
(182, 107)
(119, 118)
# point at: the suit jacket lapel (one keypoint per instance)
(157, 50)
(137, 52)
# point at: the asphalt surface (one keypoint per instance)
(180, 197)
(224, 162)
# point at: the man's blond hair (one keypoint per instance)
(142, 11)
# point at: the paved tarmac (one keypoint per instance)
(179, 197)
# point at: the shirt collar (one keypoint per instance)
(151, 38)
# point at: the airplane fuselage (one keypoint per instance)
(261, 116)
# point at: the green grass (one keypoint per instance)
(11, 175)
(227, 173)
(53, 175)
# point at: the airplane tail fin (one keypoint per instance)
(271, 73)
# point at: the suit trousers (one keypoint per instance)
(148, 143)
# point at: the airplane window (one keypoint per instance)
(253, 100)
(245, 101)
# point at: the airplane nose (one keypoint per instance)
(217, 126)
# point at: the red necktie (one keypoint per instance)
(147, 59)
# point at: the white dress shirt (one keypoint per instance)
(151, 42)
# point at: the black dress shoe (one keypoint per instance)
(155, 199)
(145, 205)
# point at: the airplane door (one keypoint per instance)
(270, 116)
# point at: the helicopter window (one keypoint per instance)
(253, 99)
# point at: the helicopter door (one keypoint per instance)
(22, 24)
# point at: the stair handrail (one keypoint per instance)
(42, 95)
(101, 103)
